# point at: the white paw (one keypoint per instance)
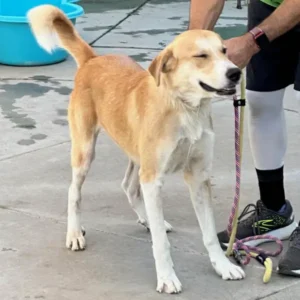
(228, 270)
(169, 284)
(168, 226)
(75, 240)
(144, 222)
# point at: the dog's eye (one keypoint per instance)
(201, 56)
(224, 50)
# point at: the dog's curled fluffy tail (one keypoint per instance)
(52, 29)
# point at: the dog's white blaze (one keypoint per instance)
(208, 44)
(221, 68)
(221, 64)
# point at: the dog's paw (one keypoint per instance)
(228, 270)
(144, 222)
(168, 227)
(75, 240)
(169, 285)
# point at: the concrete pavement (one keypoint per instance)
(35, 174)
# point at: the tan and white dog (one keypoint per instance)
(160, 117)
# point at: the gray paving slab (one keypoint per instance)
(290, 293)
(35, 173)
(33, 114)
(101, 17)
(117, 263)
(158, 22)
(66, 69)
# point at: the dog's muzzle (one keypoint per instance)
(230, 90)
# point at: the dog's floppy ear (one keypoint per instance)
(163, 63)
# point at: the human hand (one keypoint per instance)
(241, 49)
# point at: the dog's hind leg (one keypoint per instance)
(83, 135)
(132, 188)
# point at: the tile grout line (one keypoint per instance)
(34, 150)
(291, 110)
(118, 23)
(147, 241)
(266, 297)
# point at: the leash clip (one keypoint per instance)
(237, 256)
(239, 102)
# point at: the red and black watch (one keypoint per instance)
(260, 38)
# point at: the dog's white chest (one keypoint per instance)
(180, 155)
(185, 151)
(193, 140)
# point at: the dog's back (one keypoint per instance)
(118, 90)
(111, 90)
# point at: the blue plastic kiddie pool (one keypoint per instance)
(18, 46)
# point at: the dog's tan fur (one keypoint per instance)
(160, 117)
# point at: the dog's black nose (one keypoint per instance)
(234, 74)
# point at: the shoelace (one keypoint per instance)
(247, 211)
(253, 218)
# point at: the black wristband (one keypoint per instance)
(260, 38)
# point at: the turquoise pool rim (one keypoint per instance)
(18, 46)
(77, 12)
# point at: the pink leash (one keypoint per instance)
(239, 244)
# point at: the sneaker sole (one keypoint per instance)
(281, 234)
(288, 272)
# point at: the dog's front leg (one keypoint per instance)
(167, 280)
(198, 181)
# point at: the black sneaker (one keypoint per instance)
(261, 220)
(289, 264)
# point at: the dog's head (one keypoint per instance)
(195, 66)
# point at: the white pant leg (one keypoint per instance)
(267, 128)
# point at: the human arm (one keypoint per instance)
(205, 13)
(285, 17)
